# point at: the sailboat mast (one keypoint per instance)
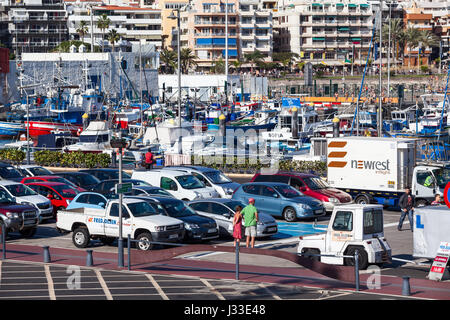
(380, 56)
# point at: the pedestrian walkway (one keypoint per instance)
(106, 267)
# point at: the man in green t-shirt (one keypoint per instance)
(250, 215)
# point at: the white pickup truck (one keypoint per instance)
(352, 227)
(140, 220)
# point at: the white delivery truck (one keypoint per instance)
(431, 227)
(352, 228)
(140, 220)
(377, 170)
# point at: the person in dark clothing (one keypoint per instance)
(407, 203)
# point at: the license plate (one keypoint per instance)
(212, 230)
(272, 229)
(173, 236)
(318, 211)
(28, 222)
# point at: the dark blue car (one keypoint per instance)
(279, 200)
(198, 228)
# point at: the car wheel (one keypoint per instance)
(289, 214)
(145, 236)
(362, 199)
(81, 237)
(28, 232)
(363, 259)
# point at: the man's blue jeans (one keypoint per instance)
(410, 217)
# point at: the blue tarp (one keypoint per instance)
(290, 102)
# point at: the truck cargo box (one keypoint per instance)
(370, 163)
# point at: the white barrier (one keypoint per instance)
(176, 159)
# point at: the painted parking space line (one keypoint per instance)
(51, 288)
(264, 286)
(157, 287)
(103, 284)
(212, 289)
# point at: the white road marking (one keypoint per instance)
(157, 287)
(103, 284)
(213, 290)
(334, 296)
(393, 224)
(264, 286)
(51, 289)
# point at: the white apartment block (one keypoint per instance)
(133, 24)
(256, 28)
(330, 32)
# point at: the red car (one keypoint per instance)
(60, 194)
(308, 184)
(51, 179)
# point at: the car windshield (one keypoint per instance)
(20, 190)
(87, 179)
(178, 209)
(442, 176)
(217, 177)
(9, 173)
(190, 182)
(62, 180)
(66, 191)
(142, 209)
(39, 171)
(316, 183)
(288, 191)
(159, 192)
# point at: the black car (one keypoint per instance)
(8, 172)
(106, 174)
(197, 228)
(81, 179)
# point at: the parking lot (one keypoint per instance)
(38, 281)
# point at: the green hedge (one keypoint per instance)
(226, 164)
(72, 159)
(12, 155)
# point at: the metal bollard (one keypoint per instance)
(47, 258)
(237, 260)
(129, 253)
(89, 259)
(406, 289)
(356, 270)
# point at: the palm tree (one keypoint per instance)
(397, 37)
(427, 40)
(113, 37)
(169, 59)
(254, 58)
(285, 58)
(412, 38)
(218, 66)
(187, 59)
(237, 65)
(82, 30)
(103, 24)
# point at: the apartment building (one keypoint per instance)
(133, 24)
(256, 28)
(33, 25)
(203, 30)
(168, 25)
(324, 31)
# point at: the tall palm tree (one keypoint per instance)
(103, 24)
(412, 38)
(237, 65)
(427, 40)
(397, 35)
(113, 37)
(187, 59)
(218, 66)
(82, 30)
(169, 59)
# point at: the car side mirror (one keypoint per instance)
(302, 189)
(102, 204)
(227, 215)
(50, 196)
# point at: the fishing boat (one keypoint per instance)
(94, 139)
(9, 130)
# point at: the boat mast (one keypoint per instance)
(380, 56)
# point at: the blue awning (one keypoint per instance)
(231, 53)
(219, 41)
(204, 41)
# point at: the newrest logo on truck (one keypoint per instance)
(337, 160)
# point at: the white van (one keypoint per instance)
(180, 184)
